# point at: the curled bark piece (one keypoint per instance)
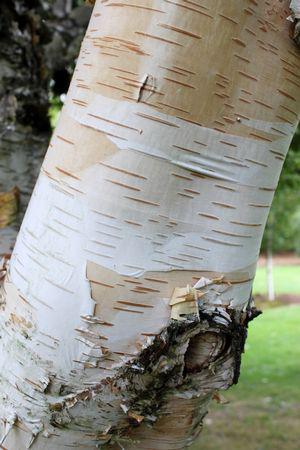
(9, 206)
(8, 424)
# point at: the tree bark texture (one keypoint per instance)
(127, 298)
(39, 41)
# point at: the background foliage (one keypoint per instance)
(284, 217)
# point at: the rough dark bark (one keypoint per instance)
(188, 362)
(39, 41)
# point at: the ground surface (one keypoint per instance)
(264, 409)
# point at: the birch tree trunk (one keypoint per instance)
(126, 301)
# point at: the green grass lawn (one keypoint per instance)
(264, 408)
(286, 281)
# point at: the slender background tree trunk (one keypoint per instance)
(269, 264)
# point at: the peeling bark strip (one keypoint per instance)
(126, 301)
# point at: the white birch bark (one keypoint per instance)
(125, 304)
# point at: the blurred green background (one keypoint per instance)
(263, 410)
